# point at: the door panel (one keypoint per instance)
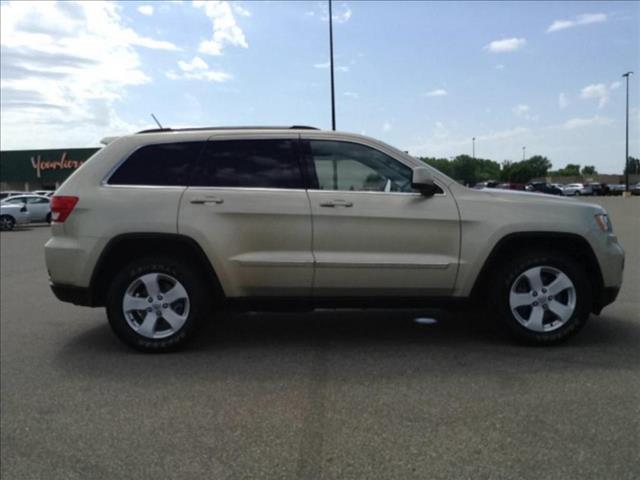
(259, 240)
(248, 209)
(384, 244)
(372, 234)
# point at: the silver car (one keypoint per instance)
(577, 189)
(39, 206)
(12, 215)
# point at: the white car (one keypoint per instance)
(12, 215)
(166, 227)
(39, 206)
(577, 189)
(46, 193)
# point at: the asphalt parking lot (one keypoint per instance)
(309, 396)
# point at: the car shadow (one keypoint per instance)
(382, 343)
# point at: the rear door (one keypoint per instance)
(248, 208)
(372, 234)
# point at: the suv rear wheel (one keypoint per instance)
(542, 298)
(155, 304)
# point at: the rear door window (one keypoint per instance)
(167, 164)
(269, 163)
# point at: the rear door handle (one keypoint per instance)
(336, 203)
(202, 201)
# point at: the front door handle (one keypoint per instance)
(336, 203)
(202, 201)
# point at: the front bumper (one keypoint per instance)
(607, 296)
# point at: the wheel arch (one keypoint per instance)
(572, 244)
(124, 248)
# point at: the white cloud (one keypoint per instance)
(521, 110)
(386, 126)
(240, 10)
(504, 134)
(563, 101)
(195, 64)
(225, 29)
(197, 69)
(615, 85)
(351, 95)
(341, 13)
(146, 10)
(597, 91)
(506, 45)
(584, 19)
(437, 93)
(338, 68)
(64, 68)
(343, 16)
(499, 67)
(586, 122)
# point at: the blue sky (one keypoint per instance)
(425, 77)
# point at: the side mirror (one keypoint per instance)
(423, 181)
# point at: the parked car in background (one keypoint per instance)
(598, 189)
(12, 215)
(577, 189)
(635, 189)
(558, 185)
(10, 193)
(616, 189)
(39, 206)
(511, 186)
(487, 184)
(46, 193)
(543, 187)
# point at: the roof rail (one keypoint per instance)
(195, 129)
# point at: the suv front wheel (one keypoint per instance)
(155, 304)
(542, 298)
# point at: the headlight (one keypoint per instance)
(603, 222)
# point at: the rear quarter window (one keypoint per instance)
(167, 164)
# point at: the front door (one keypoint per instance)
(248, 208)
(372, 234)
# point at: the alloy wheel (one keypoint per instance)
(542, 299)
(156, 305)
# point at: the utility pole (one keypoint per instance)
(473, 141)
(626, 151)
(524, 149)
(333, 95)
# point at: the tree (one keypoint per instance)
(589, 170)
(571, 170)
(525, 170)
(633, 166)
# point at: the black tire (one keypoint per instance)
(509, 273)
(183, 272)
(7, 222)
(578, 194)
(49, 218)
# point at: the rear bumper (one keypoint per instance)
(72, 294)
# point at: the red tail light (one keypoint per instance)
(61, 207)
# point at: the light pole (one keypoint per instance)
(333, 96)
(473, 143)
(524, 149)
(626, 151)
